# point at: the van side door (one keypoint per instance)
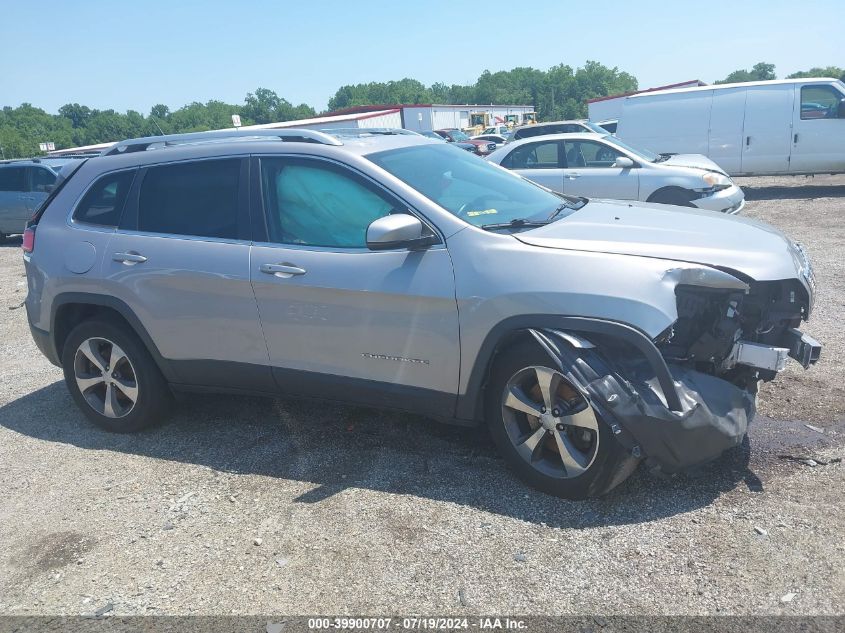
(818, 132)
(767, 134)
(725, 141)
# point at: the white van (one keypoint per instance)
(791, 126)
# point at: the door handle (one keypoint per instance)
(795, 139)
(129, 258)
(285, 271)
(573, 176)
(747, 141)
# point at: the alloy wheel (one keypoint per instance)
(105, 377)
(549, 422)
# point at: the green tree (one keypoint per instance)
(265, 106)
(828, 71)
(761, 71)
(79, 115)
(557, 93)
(376, 93)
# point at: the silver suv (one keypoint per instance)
(397, 271)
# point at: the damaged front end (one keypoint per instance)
(687, 396)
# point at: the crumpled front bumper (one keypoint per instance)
(714, 418)
(730, 201)
(678, 419)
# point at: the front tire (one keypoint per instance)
(113, 378)
(548, 432)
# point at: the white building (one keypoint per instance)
(423, 117)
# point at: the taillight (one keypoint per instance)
(28, 243)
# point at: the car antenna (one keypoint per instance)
(157, 125)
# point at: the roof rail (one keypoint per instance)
(368, 131)
(6, 161)
(169, 140)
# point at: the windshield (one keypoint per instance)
(644, 154)
(457, 135)
(595, 128)
(471, 188)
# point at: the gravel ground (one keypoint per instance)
(250, 506)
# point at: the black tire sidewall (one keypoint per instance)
(153, 394)
(596, 480)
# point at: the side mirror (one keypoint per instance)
(841, 109)
(623, 162)
(400, 230)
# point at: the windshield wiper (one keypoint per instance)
(664, 157)
(567, 204)
(518, 223)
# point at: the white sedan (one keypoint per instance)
(601, 166)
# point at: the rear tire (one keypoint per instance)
(113, 378)
(546, 430)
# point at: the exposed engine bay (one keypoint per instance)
(740, 336)
(690, 394)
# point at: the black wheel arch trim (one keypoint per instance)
(470, 404)
(122, 308)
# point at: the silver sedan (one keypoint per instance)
(601, 166)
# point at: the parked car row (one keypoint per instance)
(397, 271)
(454, 135)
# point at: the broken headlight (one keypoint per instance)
(715, 182)
(805, 270)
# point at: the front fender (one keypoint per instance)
(469, 404)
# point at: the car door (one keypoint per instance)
(539, 161)
(590, 172)
(767, 134)
(343, 322)
(180, 261)
(818, 134)
(14, 206)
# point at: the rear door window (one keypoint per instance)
(590, 154)
(104, 202)
(198, 198)
(13, 179)
(543, 155)
(42, 179)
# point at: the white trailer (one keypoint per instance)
(792, 126)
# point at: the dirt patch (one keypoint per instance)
(55, 550)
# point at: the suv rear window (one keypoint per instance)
(198, 199)
(103, 203)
